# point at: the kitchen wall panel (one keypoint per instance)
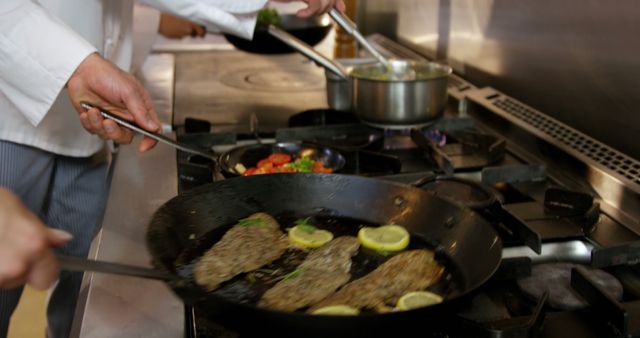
(576, 60)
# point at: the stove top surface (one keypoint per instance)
(461, 161)
(542, 215)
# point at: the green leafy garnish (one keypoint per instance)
(304, 225)
(251, 222)
(269, 271)
(251, 278)
(293, 274)
(268, 16)
(303, 165)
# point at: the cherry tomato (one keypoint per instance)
(250, 171)
(318, 167)
(264, 163)
(279, 158)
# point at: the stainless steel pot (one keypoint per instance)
(388, 103)
(338, 89)
(378, 98)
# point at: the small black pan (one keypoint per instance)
(249, 155)
(311, 30)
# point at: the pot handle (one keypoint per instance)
(309, 52)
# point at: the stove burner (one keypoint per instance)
(399, 126)
(273, 80)
(398, 139)
(471, 194)
(437, 137)
(461, 150)
(321, 117)
(556, 277)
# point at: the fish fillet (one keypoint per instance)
(322, 272)
(409, 271)
(245, 247)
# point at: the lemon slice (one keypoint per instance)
(414, 300)
(309, 239)
(384, 238)
(337, 310)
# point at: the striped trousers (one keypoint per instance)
(67, 193)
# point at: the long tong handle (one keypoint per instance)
(70, 263)
(160, 138)
(351, 28)
(307, 51)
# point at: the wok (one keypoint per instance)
(249, 155)
(182, 229)
(311, 30)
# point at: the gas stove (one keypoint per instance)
(565, 205)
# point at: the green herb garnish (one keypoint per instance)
(304, 225)
(269, 271)
(303, 165)
(251, 222)
(251, 278)
(268, 16)
(293, 274)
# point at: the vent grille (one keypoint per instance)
(610, 158)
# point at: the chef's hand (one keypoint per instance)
(315, 7)
(102, 84)
(173, 27)
(25, 255)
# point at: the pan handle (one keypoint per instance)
(307, 51)
(70, 263)
(351, 28)
(160, 138)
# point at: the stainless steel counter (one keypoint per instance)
(225, 87)
(114, 306)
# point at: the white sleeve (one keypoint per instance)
(38, 54)
(236, 17)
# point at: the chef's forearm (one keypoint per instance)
(235, 17)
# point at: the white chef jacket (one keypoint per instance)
(43, 42)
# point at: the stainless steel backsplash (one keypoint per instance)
(576, 60)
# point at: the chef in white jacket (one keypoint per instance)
(53, 55)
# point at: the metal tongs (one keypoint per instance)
(158, 137)
(71, 263)
(351, 28)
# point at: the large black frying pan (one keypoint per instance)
(466, 244)
(311, 30)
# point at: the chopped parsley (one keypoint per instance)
(251, 222)
(304, 225)
(268, 16)
(303, 165)
(251, 278)
(269, 271)
(293, 274)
